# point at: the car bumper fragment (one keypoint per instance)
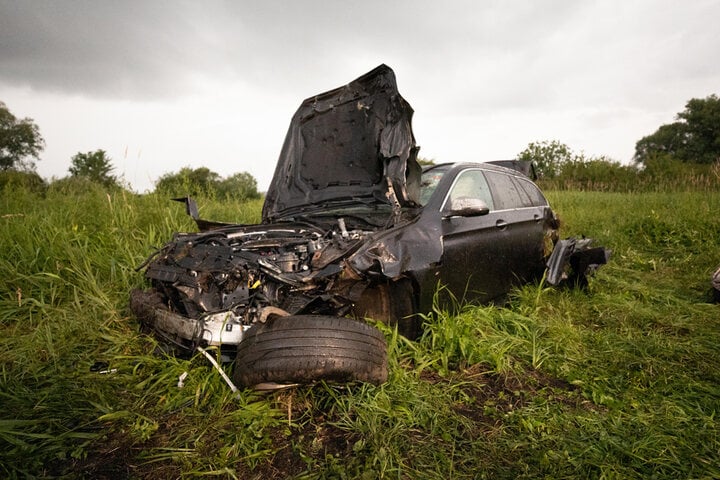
(222, 328)
(573, 260)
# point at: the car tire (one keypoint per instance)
(309, 348)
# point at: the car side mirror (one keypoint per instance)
(466, 207)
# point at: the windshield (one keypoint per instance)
(430, 179)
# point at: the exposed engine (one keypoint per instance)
(230, 279)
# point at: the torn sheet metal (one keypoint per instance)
(351, 143)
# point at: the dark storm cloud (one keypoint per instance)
(145, 49)
(516, 54)
(112, 48)
(139, 48)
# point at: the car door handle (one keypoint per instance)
(501, 224)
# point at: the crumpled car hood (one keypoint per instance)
(351, 143)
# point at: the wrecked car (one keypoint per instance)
(352, 228)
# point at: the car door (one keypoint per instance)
(524, 218)
(477, 252)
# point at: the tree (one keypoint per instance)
(20, 140)
(241, 185)
(548, 157)
(693, 138)
(188, 181)
(668, 139)
(203, 181)
(95, 166)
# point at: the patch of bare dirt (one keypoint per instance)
(488, 395)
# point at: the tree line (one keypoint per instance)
(693, 139)
(679, 148)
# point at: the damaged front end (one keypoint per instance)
(349, 152)
(208, 288)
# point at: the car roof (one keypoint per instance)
(484, 165)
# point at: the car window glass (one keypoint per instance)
(505, 192)
(537, 199)
(525, 199)
(471, 184)
(429, 182)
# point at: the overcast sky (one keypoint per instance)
(160, 85)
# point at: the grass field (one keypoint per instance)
(620, 382)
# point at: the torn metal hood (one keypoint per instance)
(351, 144)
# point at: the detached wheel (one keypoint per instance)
(307, 348)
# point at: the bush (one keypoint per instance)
(75, 185)
(598, 174)
(659, 174)
(30, 181)
(206, 183)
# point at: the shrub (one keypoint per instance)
(31, 181)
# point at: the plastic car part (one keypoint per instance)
(184, 332)
(219, 369)
(572, 260)
(307, 348)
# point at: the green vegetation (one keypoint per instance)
(205, 182)
(549, 157)
(94, 166)
(560, 168)
(693, 138)
(23, 180)
(20, 141)
(684, 155)
(658, 174)
(620, 382)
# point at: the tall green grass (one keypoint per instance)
(620, 381)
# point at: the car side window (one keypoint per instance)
(505, 192)
(537, 199)
(471, 184)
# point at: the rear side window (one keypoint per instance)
(537, 199)
(506, 192)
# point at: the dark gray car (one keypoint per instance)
(352, 229)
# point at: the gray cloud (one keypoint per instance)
(143, 49)
(522, 54)
(140, 49)
(114, 49)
